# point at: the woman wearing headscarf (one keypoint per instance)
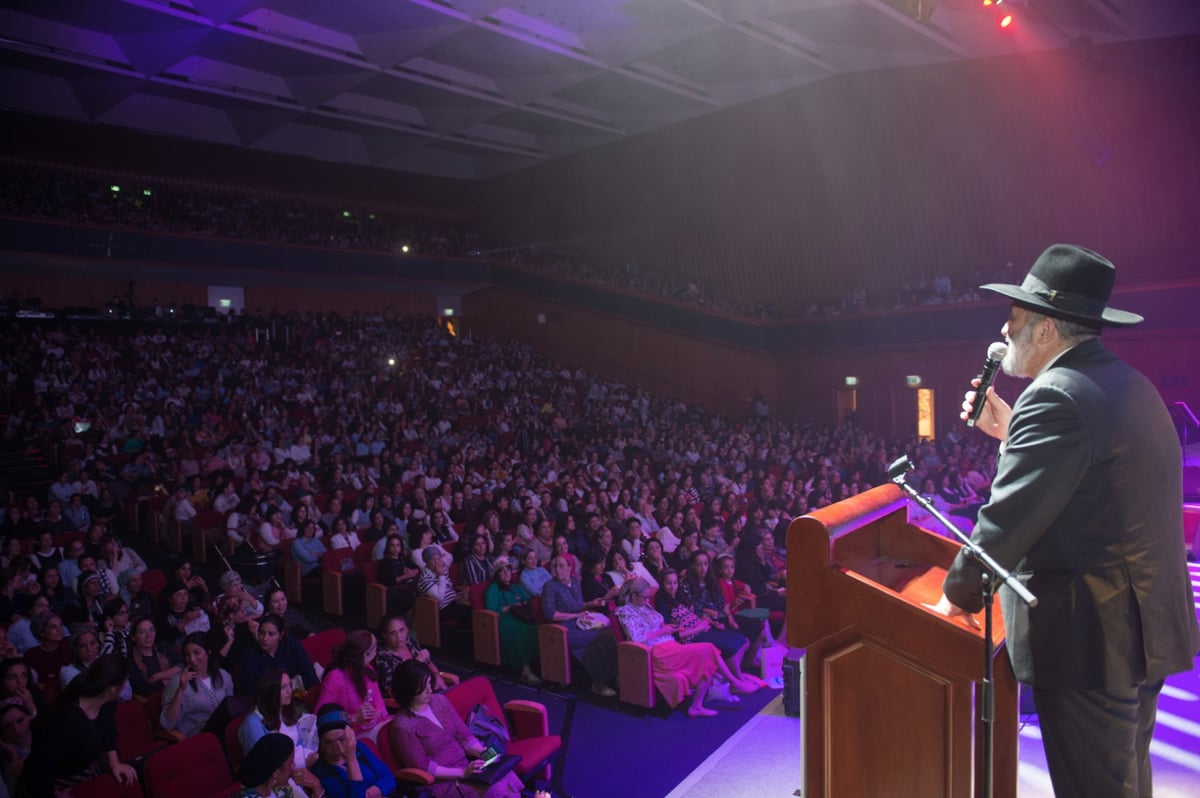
(269, 771)
(345, 768)
(518, 637)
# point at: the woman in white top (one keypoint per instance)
(276, 711)
(274, 531)
(192, 695)
(343, 537)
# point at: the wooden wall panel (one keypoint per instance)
(722, 377)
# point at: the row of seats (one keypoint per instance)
(201, 767)
(330, 581)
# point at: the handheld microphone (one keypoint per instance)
(995, 354)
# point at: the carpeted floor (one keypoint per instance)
(613, 751)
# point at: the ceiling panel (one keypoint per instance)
(487, 86)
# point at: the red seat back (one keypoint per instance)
(193, 768)
(476, 690)
(153, 582)
(615, 625)
(312, 699)
(209, 519)
(370, 570)
(476, 593)
(233, 747)
(362, 554)
(339, 561)
(135, 735)
(383, 741)
(153, 709)
(320, 646)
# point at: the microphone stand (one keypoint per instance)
(992, 573)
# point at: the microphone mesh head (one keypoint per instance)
(997, 350)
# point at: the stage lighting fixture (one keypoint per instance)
(1006, 21)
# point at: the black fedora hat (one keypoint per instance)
(1072, 283)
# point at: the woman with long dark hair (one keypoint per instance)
(16, 742)
(151, 668)
(193, 694)
(396, 574)
(275, 710)
(17, 688)
(273, 649)
(79, 738)
(51, 586)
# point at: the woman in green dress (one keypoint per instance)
(518, 633)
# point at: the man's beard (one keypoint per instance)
(1017, 357)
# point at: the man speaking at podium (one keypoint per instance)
(1085, 509)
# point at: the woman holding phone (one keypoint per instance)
(428, 734)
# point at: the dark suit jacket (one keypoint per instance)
(1085, 509)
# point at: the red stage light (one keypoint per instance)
(1006, 20)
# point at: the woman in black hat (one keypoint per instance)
(268, 771)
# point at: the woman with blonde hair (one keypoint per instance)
(680, 669)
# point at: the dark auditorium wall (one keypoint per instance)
(804, 385)
(722, 377)
(86, 291)
(867, 178)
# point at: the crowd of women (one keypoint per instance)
(460, 462)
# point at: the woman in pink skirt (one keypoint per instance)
(680, 669)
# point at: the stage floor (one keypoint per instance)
(762, 758)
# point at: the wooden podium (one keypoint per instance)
(891, 686)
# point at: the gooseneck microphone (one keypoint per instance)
(899, 467)
(995, 355)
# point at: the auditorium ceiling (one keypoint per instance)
(472, 89)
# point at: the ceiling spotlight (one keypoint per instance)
(1006, 21)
